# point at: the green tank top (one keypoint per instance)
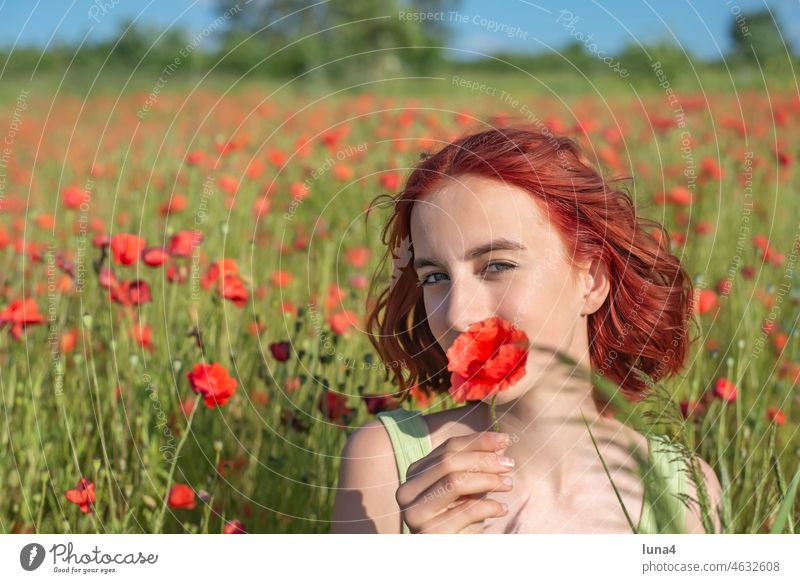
(410, 440)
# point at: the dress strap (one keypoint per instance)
(408, 433)
(669, 466)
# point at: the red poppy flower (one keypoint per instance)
(336, 295)
(299, 190)
(254, 169)
(790, 371)
(106, 278)
(691, 408)
(182, 243)
(421, 396)
(391, 180)
(68, 340)
(779, 342)
(213, 383)
(288, 307)
(724, 286)
(358, 256)
(21, 314)
(776, 416)
(378, 403)
(261, 206)
(82, 495)
(186, 406)
(773, 256)
(256, 328)
(259, 397)
(760, 242)
(219, 270)
(232, 288)
(46, 221)
(334, 406)
(234, 527)
(232, 467)
(154, 256)
(100, 240)
(64, 264)
(143, 336)
(195, 158)
(74, 196)
(280, 350)
(177, 203)
(181, 496)
(177, 272)
(359, 281)
(276, 157)
(340, 322)
(703, 227)
(680, 195)
(710, 168)
(229, 184)
(282, 278)
(725, 389)
(488, 358)
(131, 293)
(705, 301)
(127, 248)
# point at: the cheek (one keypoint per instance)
(531, 299)
(434, 313)
(542, 304)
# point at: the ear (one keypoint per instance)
(597, 286)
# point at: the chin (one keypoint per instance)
(510, 394)
(518, 389)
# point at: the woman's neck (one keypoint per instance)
(549, 438)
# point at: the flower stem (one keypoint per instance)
(495, 424)
(160, 520)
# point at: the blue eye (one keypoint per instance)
(506, 266)
(425, 281)
(500, 264)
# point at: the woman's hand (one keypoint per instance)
(445, 491)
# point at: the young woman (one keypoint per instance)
(515, 222)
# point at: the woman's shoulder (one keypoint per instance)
(365, 497)
(368, 441)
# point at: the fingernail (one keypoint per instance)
(505, 507)
(507, 480)
(506, 461)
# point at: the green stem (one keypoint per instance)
(38, 525)
(207, 509)
(495, 424)
(160, 521)
(101, 430)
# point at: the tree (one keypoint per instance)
(757, 36)
(341, 39)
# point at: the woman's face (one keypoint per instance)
(484, 248)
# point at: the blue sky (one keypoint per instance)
(700, 27)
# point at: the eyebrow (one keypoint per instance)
(501, 244)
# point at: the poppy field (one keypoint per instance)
(186, 275)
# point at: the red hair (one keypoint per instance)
(643, 322)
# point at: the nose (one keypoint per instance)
(465, 304)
